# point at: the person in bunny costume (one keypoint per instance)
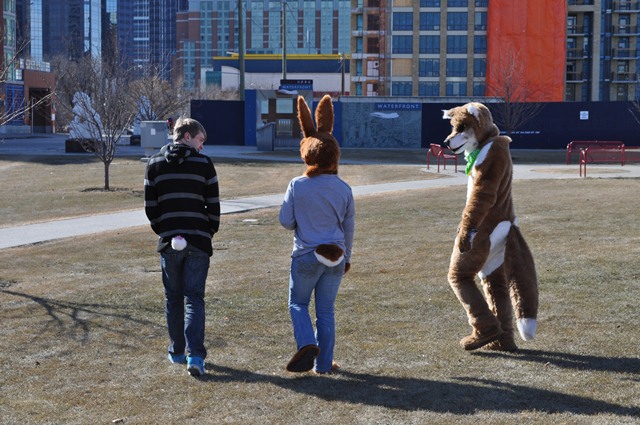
(319, 207)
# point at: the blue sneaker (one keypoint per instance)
(195, 366)
(177, 358)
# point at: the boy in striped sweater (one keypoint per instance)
(181, 200)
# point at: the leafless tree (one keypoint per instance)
(157, 98)
(513, 108)
(97, 96)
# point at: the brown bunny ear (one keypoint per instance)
(304, 115)
(324, 115)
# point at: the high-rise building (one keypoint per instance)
(579, 50)
(153, 35)
(602, 50)
(207, 28)
(73, 28)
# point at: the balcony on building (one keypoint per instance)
(578, 53)
(575, 77)
(625, 30)
(625, 53)
(626, 5)
(361, 33)
(368, 55)
(576, 30)
(624, 77)
(580, 3)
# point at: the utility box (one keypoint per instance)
(153, 136)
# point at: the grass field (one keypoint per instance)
(84, 341)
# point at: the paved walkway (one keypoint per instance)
(41, 232)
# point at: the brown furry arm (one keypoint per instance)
(489, 180)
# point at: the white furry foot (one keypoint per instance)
(527, 328)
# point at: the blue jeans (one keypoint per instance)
(307, 275)
(184, 274)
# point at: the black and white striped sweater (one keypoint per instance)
(181, 196)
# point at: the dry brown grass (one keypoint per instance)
(46, 187)
(84, 338)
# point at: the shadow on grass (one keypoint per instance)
(465, 396)
(76, 320)
(573, 361)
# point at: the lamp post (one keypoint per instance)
(342, 59)
(241, 48)
(284, 41)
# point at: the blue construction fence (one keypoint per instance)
(411, 123)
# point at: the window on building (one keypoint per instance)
(480, 21)
(456, 89)
(401, 88)
(403, 21)
(479, 89)
(373, 22)
(429, 68)
(428, 88)
(572, 24)
(358, 68)
(482, 3)
(430, 21)
(480, 67)
(571, 47)
(480, 44)
(458, 3)
(456, 67)
(284, 106)
(429, 3)
(430, 44)
(358, 89)
(457, 21)
(373, 45)
(402, 44)
(623, 67)
(456, 44)
(358, 45)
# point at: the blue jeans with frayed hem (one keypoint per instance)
(309, 276)
(184, 275)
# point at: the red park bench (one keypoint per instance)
(578, 145)
(601, 154)
(441, 154)
(631, 154)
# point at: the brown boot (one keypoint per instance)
(504, 343)
(477, 339)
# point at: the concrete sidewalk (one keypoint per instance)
(54, 145)
(41, 232)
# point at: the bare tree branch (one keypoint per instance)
(97, 96)
(513, 109)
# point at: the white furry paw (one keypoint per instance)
(527, 328)
(178, 243)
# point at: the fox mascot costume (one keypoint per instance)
(489, 243)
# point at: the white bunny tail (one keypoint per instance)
(324, 260)
(178, 243)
